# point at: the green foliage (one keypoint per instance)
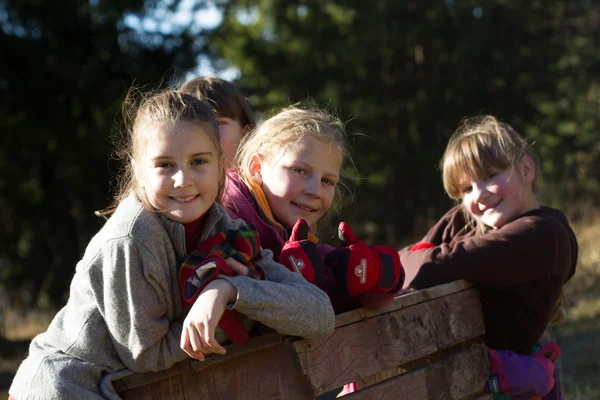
(405, 73)
(402, 73)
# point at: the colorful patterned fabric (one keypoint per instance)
(514, 376)
(207, 262)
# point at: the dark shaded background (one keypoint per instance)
(402, 73)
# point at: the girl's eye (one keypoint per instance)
(491, 176)
(199, 161)
(164, 165)
(300, 171)
(328, 182)
(466, 190)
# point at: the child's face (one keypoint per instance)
(231, 133)
(500, 197)
(299, 181)
(179, 171)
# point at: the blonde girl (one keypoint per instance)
(288, 170)
(125, 311)
(520, 253)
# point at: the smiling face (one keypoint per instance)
(179, 171)
(500, 196)
(299, 180)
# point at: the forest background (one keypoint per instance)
(403, 74)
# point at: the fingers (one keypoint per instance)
(237, 267)
(299, 231)
(210, 342)
(199, 341)
(346, 235)
(187, 345)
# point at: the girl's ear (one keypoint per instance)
(255, 167)
(527, 168)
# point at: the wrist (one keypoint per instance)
(229, 290)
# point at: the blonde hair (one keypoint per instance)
(286, 128)
(478, 145)
(168, 108)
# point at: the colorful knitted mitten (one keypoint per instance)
(207, 262)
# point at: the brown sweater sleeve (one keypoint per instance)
(530, 248)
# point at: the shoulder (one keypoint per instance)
(547, 225)
(236, 197)
(544, 220)
(234, 187)
(133, 225)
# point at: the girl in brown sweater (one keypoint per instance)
(519, 253)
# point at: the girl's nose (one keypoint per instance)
(313, 187)
(181, 178)
(479, 192)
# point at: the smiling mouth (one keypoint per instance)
(183, 200)
(491, 208)
(308, 209)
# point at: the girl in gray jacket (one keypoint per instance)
(125, 312)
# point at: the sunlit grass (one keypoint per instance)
(579, 335)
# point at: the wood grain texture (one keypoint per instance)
(270, 373)
(403, 301)
(233, 351)
(387, 341)
(459, 376)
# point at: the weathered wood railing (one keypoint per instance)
(424, 345)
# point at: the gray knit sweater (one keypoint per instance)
(124, 313)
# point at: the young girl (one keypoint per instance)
(288, 170)
(518, 252)
(234, 115)
(125, 312)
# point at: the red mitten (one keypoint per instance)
(359, 268)
(301, 255)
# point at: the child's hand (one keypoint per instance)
(301, 255)
(198, 335)
(359, 268)
(237, 267)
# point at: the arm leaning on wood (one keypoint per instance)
(511, 255)
(285, 301)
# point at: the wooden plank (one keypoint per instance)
(390, 340)
(459, 376)
(137, 380)
(485, 396)
(403, 301)
(268, 373)
(233, 351)
(429, 359)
